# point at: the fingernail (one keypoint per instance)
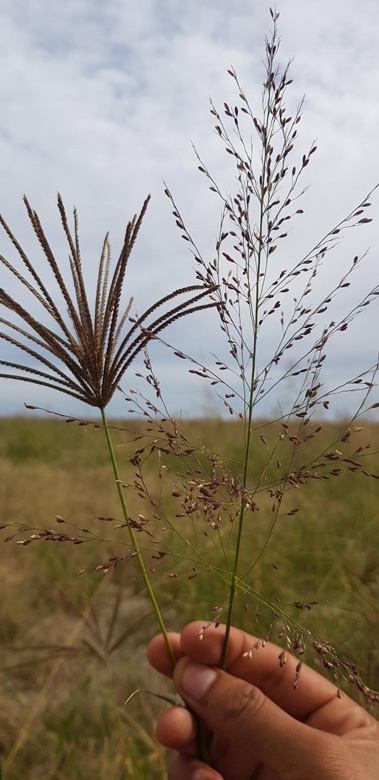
(197, 679)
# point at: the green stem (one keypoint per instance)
(201, 738)
(234, 579)
(250, 402)
(133, 538)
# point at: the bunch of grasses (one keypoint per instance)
(251, 290)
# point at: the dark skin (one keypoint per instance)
(263, 728)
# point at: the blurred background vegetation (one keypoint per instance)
(74, 627)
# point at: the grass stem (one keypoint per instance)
(133, 538)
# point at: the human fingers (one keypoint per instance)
(176, 728)
(182, 768)
(251, 731)
(315, 698)
(158, 655)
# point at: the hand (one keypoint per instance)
(263, 728)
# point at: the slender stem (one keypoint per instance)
(133, 538)
(264, 208)
(234, 579)
(200, 735)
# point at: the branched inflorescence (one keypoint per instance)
(263, 301)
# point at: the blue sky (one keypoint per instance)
(101, 102)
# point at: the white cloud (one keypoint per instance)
(101, 101)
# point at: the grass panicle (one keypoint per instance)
(260, 298)
(93, 347)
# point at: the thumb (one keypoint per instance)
(253, 730)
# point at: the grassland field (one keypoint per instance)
(74, 626)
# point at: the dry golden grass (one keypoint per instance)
(73, 646)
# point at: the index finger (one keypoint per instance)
(313, 701)
(158, 654)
